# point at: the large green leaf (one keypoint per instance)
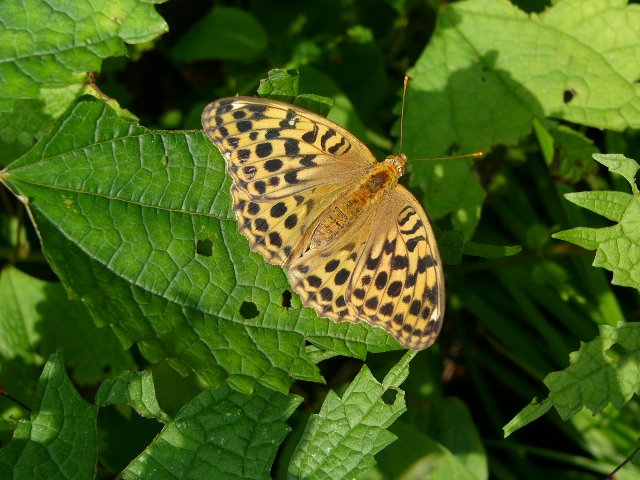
(475, 87)
(138, 224)
(53, 43)
(224, 33)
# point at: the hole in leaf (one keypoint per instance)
(389, 396)
(204, 247)
(615, 352)
(286, 299)
(568, 95)
(249, 310)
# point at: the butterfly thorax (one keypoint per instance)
(380, 180)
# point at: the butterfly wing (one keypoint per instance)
(287, 164)
(275, 149)
(280, 229)
(398, 283)
(321, 276)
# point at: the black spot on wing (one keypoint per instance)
(278, 210)
(399, 262)
(253, 208)
(256, 108)
(371, 303)
(337, 146)
(264, 149)
(272, 133)
(273, 165)
(260, 186)
(381, 280)
(331, 265)
(311, 136)
(291, 147)
(291, 221)
(243, 154)
(291, 177)
(275, 239)
(244, 126)
(412, 243)
(395, 288)
(261, 224)
(323, 140)
(308, 161)
(326, 294)
(342, 276)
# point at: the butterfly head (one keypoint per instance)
(398, 161)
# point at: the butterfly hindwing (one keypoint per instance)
(321, 276)
(277, 229)
(398, 283)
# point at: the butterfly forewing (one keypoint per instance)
(274, 149)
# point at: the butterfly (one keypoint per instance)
(310, 197)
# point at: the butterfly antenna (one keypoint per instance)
(475, 154)
(404, 93)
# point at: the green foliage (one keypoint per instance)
(119, 249)
(341, 440)
(617, 247)
(221, 433)
(59, 441)
(602, 371)
(225, 34)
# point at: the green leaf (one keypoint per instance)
(474, 87)
(618, 246)
(135, 389)
(566, 151)
(490, 251)
(220, 434)
(223, 34)
(342, 439)
(38, 316)
(452, 245)
(626, 167)
(605, 370)
(283, 85)
(53, 43)
(138, 224)
(60, 439)
(280, 84)
(316, 103)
